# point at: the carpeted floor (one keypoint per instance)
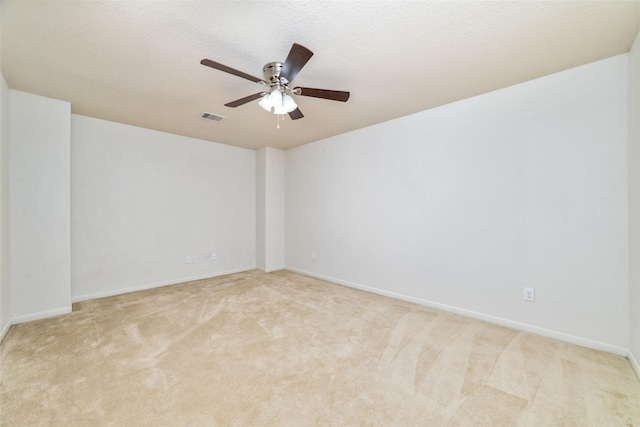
(282, 349)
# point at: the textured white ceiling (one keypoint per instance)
(138, 62)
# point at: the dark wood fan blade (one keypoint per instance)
(334, 95)
(242, 101)
(296, 114)
(297, 58)
(222, 67)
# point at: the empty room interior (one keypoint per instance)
(320, 213)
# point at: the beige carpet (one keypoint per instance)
(281, 349)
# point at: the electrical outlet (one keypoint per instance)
(313, 256)
(529, 294)
(189, 259)
(194, 258)
(214, 256)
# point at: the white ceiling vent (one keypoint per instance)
(211, 116)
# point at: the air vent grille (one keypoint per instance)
(211, 116)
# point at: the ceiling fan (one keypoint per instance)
(278, 77)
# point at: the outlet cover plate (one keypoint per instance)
(529, 294)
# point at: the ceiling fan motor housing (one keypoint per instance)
(272, 72)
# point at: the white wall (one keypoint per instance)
(634, 204)
(142, 201)
(39, 134)
(270, 209)
(462, 206)
(5, 260)
(261, 208)
(275, 209)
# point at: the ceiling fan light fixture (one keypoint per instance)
(265, 102)
(279, 102)
(288, 103)
(286, 106)
(275, 98)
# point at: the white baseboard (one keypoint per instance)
(41, 315)
(634, 364)
(4, 331)
(269, 270)
(584, 342)
(110, 293)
